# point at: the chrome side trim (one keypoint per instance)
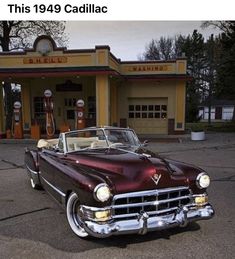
(53, 187)
(31, 171)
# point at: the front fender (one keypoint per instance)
(189, 171)
(82, 180)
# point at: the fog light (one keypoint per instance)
(103, 215)
(201, 200)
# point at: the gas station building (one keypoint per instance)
(148, 96)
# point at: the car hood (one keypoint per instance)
(132, 170)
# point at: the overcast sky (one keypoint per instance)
(127, 39)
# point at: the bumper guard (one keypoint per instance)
(144, 223)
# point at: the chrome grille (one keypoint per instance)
(154, 202)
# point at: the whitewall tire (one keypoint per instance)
(73, 217)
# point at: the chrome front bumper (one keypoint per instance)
(144, 223)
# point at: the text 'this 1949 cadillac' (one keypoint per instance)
(110, 184)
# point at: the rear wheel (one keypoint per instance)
(72, 211)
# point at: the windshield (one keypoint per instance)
(99, 139)
(85, 139)
(122, 137)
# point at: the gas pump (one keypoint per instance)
(79, 118)
(48, 106)
(17, 121)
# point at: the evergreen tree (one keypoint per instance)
(226, 73)
(194, 49)
(225, 88)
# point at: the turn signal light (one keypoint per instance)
(102, 215)
(201, 200)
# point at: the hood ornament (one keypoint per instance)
(156, 178)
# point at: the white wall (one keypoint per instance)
(227, 113)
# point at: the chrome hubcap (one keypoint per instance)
(74, 220)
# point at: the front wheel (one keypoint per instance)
(72, 211)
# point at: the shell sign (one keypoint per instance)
(44, 60)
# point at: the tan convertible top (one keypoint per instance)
(47, 143)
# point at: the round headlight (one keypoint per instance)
(203, 180)
(102, 192)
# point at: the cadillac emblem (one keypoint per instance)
(156, 178)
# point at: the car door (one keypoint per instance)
(49, 162)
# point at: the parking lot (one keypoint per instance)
(33, 225)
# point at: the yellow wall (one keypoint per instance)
(102, 100)
(72, 60)
(181, 66)
(147, 90)
(112, 98)
(114, 64)
(102, 57)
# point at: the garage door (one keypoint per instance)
(148, 116)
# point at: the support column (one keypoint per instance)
(2, 114)
(102, 100)
(180, 106)
(26, 107)
(113, 103)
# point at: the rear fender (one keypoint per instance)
(31, 164)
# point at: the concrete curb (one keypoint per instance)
(18, 141)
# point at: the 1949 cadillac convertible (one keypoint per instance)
(110, 184)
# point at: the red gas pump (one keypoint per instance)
(17, 121)
(48, 106)
(80, 119)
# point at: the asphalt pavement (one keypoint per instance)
(33, 225)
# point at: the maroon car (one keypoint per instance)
(111, 184)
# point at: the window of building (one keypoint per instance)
(38, 107)
(157, 107)
(131, 115)
(144, 107)
(147, 111)
(70, 114)
(70, 102)
(91, 103)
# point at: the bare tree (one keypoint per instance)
(166, 47)
(18, 35)
(224, 26)
(151, 51)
